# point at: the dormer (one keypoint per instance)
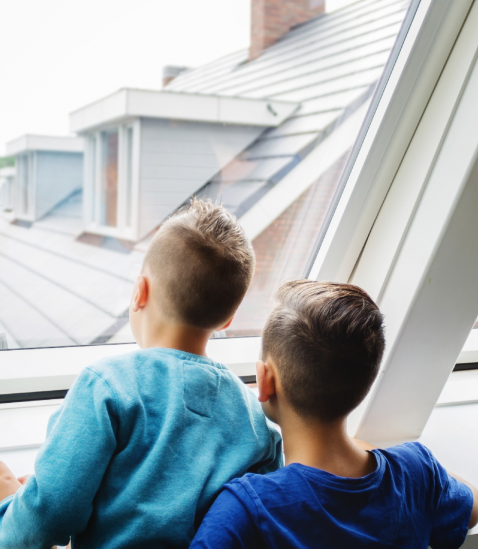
(147, 152)
(48, 170)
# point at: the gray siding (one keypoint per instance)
(58, 175)
(178, 158)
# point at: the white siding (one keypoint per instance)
(58, 175)
(178, 158)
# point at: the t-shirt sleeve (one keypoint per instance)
(453, 506)
(57, 501)
(450, 501)
(229, 524)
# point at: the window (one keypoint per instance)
(147, 152)
(129, 178)
(108, 203)
(25, 183)
(110, 182)
(300, 139)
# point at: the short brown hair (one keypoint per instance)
(327, 341)
(203, 263)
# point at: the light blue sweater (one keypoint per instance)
(136, 454)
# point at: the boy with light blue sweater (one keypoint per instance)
(144, 442)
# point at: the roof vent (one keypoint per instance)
(170, 72)
(271, 19)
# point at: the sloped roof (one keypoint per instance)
(56, 290)
(59, 289)
(330, 65)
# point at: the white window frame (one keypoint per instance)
(399, 407)
(54, 369)
(382, 145)
(433, 30)
(93, 182)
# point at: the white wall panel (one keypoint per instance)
(170, 174)
(58, 175)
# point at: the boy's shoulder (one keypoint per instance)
(410, 459)
(255, 488)
(167, 371)
(409, 456)
(157, 361)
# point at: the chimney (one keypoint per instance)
(272, 19)
(170, 72)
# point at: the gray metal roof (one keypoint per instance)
(330, 64)
(56, 290)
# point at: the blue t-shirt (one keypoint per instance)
(408, 502)
(136, 454)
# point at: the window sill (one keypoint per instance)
(38, 370)
(23, 429)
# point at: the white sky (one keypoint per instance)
(59, 55)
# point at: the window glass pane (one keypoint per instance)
(24, 190)
(66, 278)
(129, 177)
(109, 179)
(93, 166)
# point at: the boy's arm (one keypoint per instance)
(227, 525)
(57, 501)
(474, 511)
(8, 483)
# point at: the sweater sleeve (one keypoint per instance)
(57, 501)
(274, 457)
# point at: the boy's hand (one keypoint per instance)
(23, 480)
(8, 483)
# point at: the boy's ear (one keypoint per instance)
(228, 323)
(140, 293)
(266, 383)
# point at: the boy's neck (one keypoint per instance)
(324, 446)
(175, 336)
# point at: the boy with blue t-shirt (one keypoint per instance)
(322, 346)
(144, 442)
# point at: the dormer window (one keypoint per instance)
(24, 199)
(148, 152)
(110, 178)
(49, 170)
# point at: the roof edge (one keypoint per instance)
(130, 103)
(51, 143)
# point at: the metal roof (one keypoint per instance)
(330, 65)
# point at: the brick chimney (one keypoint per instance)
(271, 19)
(170, 72)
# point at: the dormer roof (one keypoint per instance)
(130, 103)
(28, 142)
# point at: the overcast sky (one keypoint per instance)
(59, 55)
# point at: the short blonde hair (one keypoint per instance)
(203, 262)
